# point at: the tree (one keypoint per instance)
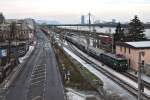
(118, 36)
(119, 33)
(136, 29)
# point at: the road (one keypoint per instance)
(40, 79)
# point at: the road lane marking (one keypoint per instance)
(33, 83)
(44, 90)
(38, 78)
(35, 98)
(40, 68)
(36, 74)
(40, 71)
(37, 71)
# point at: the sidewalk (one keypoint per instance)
(11, 77)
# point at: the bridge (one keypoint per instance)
(147, 26)
(98, 25)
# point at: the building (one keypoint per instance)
(113, 21)
(15, 38)
(131, 50)
(82, 19)
(2, 18)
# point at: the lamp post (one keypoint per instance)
(88, 34)
(140, 72)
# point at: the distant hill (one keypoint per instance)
(46, 22)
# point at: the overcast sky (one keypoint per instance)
(70, 11)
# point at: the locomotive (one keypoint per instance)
(113, 61)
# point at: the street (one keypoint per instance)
(40, 78)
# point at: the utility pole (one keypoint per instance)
(88, 35)
(140, 72)
(94, 37)
(112, 43)
(61, 38)
(9, 41)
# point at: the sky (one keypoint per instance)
(70, 11)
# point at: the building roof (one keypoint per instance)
(136, 44)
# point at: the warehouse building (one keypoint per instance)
(131, 51)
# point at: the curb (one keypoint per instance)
(6, 84)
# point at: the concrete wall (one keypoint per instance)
(133, 56)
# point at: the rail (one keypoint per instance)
(123, 84)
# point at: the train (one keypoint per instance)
(113, 61)
(105, 39)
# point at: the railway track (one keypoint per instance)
(123, 84)
(134, 78)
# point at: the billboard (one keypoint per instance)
(3, 53)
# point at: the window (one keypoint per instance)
(129, 50)
(129, 62)
(120, 48)
(125, 49)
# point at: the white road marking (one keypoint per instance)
(38, 78)
(38, 68)
(44, 90)
(39, 71)
(35, 98)
(37, 74)
(33, 83)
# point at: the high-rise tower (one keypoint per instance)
(82, 19)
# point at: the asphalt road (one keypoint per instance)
(40, 78)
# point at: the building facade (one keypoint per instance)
(131, 51)
(15, 39)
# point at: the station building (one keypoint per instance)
(131, 51)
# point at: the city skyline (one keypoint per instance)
(70, 11)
